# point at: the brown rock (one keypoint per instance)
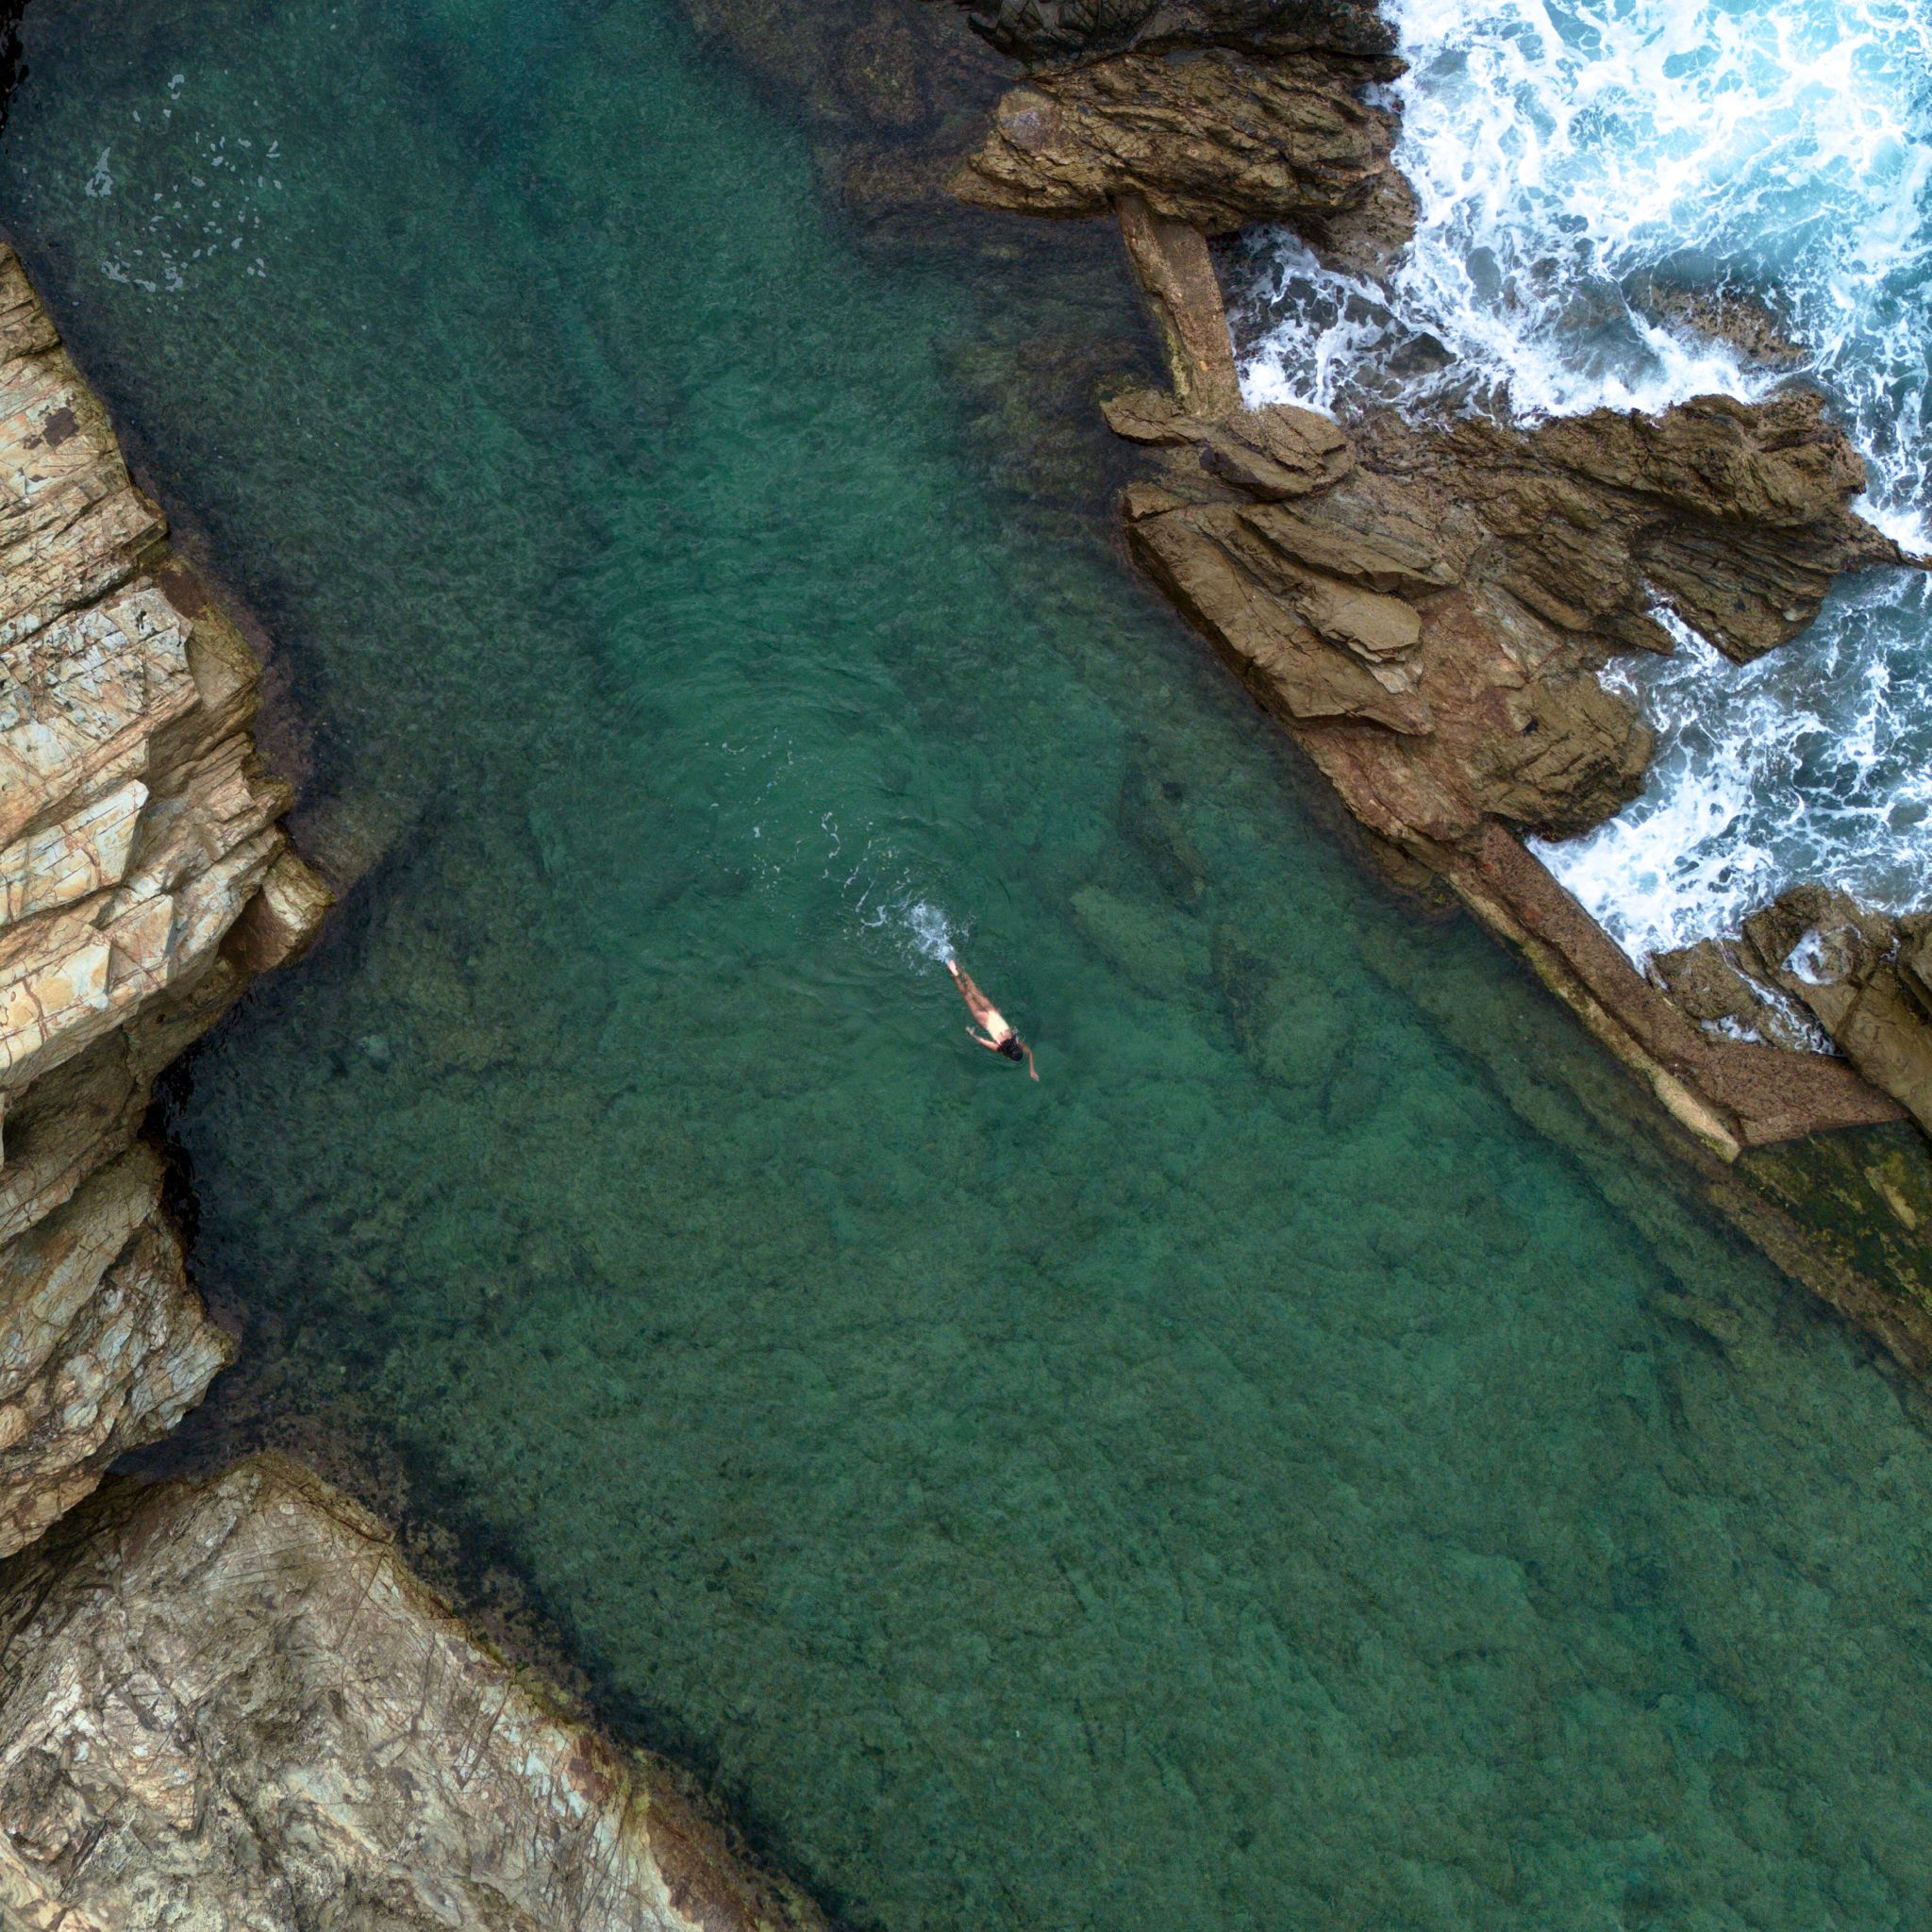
(1210, 137)
(1914, 957)
(1844, 963)
(231, 1698)
(1273, 453)
(1176, 280)
(1708, 982)
(281, 923)
(1350, 30)
(1290, 664)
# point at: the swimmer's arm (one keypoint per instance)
(1032, 1072)
(991, 1045)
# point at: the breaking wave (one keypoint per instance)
(1581, 175)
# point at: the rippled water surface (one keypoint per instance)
(1578, 168)
(1254, 1478)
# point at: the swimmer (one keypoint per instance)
(1003, 1041)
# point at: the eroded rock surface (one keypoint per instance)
(142, 880)
(1426, 609)
(1864, 977)
(228, 1705)
(1211, 136)
(102, 1345)
(1460, 586)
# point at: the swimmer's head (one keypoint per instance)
(1013, 1047)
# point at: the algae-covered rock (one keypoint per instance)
(228, 1706)
(1136, 939)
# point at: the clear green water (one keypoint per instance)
(1250, 1479)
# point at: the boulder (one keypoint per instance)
(1710, 984)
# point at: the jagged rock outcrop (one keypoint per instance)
(1717, 986)
(1460, 586)
(230, 1705)
(143, 880)
(1210, 137)
(1864, 977)
(102, 1346)
(1426, 609)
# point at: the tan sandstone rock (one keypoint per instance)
(103, 1345)
(227, 1705)
(136, 831)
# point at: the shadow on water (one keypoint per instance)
(1304, 1463)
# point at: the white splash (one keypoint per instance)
(931, 931)
(1571, 163)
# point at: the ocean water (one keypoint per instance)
(1577, 169)
(1297, 1466)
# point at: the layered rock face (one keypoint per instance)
(1460, 586)
(1426, 609)
(1211, 114)
(1863, 978)
(228, 1705)
(143, 881)
(1214, 138)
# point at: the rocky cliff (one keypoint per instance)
(143, 881)
(225, 1704)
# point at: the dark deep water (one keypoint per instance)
(1253, 1479)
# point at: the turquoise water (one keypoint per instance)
(1252, 1478)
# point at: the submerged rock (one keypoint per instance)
(228, 1704)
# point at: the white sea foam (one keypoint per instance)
(932, 932)
(1570, 164)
